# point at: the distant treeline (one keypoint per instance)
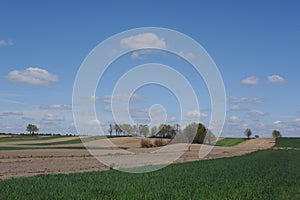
(39, 134)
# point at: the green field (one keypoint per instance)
(288, 142)
(75, 141)
(18, 138)
(229, 142)
(262, 175)
(47, 147)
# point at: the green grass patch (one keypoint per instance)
(260, 175)
(288, 142)
(30, 148)
(16, 138)
(12, 148)
(75, 141)
(229, 142)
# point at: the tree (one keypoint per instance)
(248, 133)
(200, 135)
(32, 128)
(110, 130)
(153, 131)
(127, 128)
(144, 130)
(276, 134)
(196, 133)
(210, 138)
(118, 129)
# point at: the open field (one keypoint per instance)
(229, 142)
(62, 156)
(288, 142)
(265, 174)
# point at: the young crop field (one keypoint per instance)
(75, 141)
(229, 142)
(288, 142)
(265, 174)
(17, 138)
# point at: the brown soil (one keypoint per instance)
(18, 163)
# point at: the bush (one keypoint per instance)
(159, 143)
(146, 143)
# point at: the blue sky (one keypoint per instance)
(255, 44)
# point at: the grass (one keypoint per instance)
(30, 148)
(288, 142)
(16, 138)
(75, 141)
(261, 175)
(229, 142)
(12, 148)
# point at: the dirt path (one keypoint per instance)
(16, 163)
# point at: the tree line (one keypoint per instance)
(192, 133)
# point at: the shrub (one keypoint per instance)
(159, 143)
(146, 143)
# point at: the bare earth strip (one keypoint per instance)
(17, 163)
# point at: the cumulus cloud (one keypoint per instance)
(57, 107)
(245, 100)
(256, 113)
(186, 55)
(277, 122)
(6, 43)
(118, 98)
(276, 79)
(234, 119)
(297, 120)
(144, 40)
(250, 81)
(172, 119)
(53, 118)
(32, 76)
(94, 122)
(236, 108)
(196, 114)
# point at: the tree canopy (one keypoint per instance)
(31, 128)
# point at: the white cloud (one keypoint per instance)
(11, 113)
(250, 81)
(234, 119)
(53, 118)
(32, 76)
(277, 122)
(236, 108)
(196, 114)
(119, 98)
(187, 55)
(6, 43)
(172, 119)
(144, 40)
(297, 120)
(94, 122)
(256, 113)
(245, 100)
(57, 107)
(276, 79)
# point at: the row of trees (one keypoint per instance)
(194, 132)
(275, 133)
